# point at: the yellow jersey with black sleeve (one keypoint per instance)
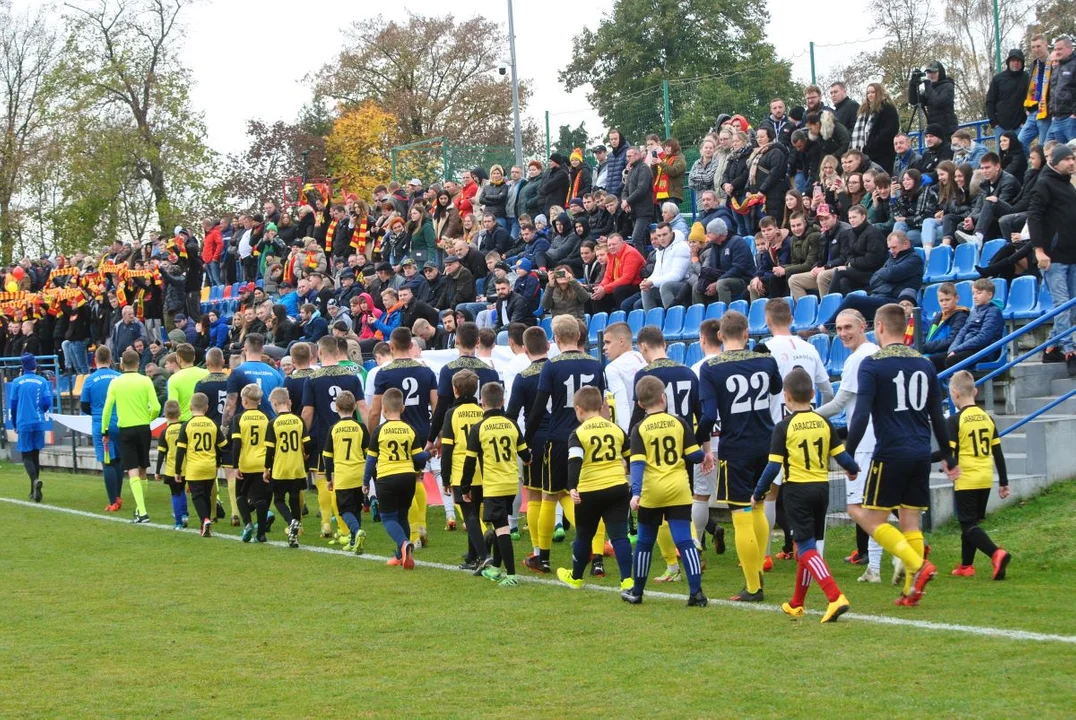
(601, 447)
(249, 431)
(286, 447)
(345, 454)
(973, 437)
(463, 416)
(492, 447)
(660, 442)
(198, 449)
(167, 448)
(803, 443)
(394, 444)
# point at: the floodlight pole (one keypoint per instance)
(517, 130)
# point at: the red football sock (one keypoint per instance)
(820, 571)
(803, 583)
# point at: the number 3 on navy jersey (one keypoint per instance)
(571, 386)
(911, 391)
(742, 387)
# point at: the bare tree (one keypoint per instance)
(29, 49)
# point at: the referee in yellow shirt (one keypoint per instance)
(135, 401)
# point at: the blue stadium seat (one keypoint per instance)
(1023, 302)
(694, 353)
(839, 420)
(597, 324)
(714, 311)
(751, 244)
(636, 320)
(805, 316)
(990, 365)
(692, 320)
(827, 307)
(929, 305)
(674, 322)
(259, 283)
(963, 294)
(502, 338)
(921, 253)
(1046, 301)
(870, 336)
(858, 292)
(595, 353)
(990, 248)
(616, 316)
(547, 325)
(965, 258)
(677, 352)
(938, 267)
(655, 317)
(1001, 290)
(821, 344)
(739, 306)
(756, 318)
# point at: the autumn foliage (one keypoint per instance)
(359, 147)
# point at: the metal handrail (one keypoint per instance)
(1041, 411)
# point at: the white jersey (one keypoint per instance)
(850, 382)
(515, 366)
(620, 381)
(697, 369)
(792, 352)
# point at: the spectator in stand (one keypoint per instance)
(77, 336)
(1006, 95)
(845, 108)
(946, 324)
(966, 149)
(936, 149)
(471, 229)
(600, 220)
(793, 204)
(124, 332)
(593, 267)
(564, 295)
(734, 180)
(1012, 223)
(447, 225)
(218, 330)
(805, 246)
(1051, 220)
(493, 197)
(314, 326)
(937, 95)
(184, 331)
(1061, 96)
(1037, 124)
(507, 307)
(579, 177)
(728, 269)
(916, 203)
(495, 236)
(621, 279)
(435, 280)
(469, 258)
(555, 184)
(665, 286)
(416, 281)
(670, 213)
(305, 225)
(902, 274)
(601, 171)
(617, 162)
(534, 246)
(997, 191)
(866, 254)
(1013, 156)
(466, 195)
(530, 197)
(513, 208)
(953, 206)
(703, 170)
(777, 124)
(364, 314)
(412, 309)
(836, 240)
(802, 161)
(904, 156)
(212, 250)
(851, 193)
(983, 328)
(527, 285)
(876, 123)
(829, 135)
(767, 172)
(637, 198)
(421, 236)
(773, 252)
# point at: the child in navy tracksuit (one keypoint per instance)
(984, 326)
(527, 285)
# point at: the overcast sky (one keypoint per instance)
(248, 57)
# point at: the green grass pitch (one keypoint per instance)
(107, 619)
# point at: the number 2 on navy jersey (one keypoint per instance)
(911, 391)
(571, 386)
(739, 384)
(410, 388)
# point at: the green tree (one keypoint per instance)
(569, 138)
(716, 50)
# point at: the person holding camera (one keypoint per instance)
(564, 295)
(936, 95)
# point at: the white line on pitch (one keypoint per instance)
(876, 619)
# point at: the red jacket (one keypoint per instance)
(463, 199)
(623, 268)
(213, 246)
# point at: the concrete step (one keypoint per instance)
(1033, 379)
(1026, 405)
(1014, 443)
(1060, 386)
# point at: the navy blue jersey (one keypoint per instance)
(295, 384)
(681, 390)
(264, 376)
(524, 390)
(320, 393)
(415, 381)
(445, 400)
(215, 387)
(736, 388)
(559, 379)
(899, 391)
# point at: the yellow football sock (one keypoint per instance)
(666, 545)
(215, 500)
(534, 513)
(137, 490)
(915, 539)
(546, 522)
(231, 496)
(568, 507)
(416, 516)
(747, 550)
(325, 503)
(762, 533)
(894, 542)
(341, 526)
(597, 545)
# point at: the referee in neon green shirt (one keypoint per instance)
(136, 404)
(181, 384)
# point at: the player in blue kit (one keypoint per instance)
(31, 398)
(252, 370)
(92, 403)
(558, 382)
(736, 388)
(900, 394)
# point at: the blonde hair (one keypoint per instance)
(963, 384)
(171, 410)
(199, 402)
(252, 393)
(279, 397)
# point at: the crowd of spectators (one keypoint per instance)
(835, 197)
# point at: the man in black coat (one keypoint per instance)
(412, 309)
(511, 307)
(866, 254)
(555, 184)
(1051, 220)
(937, 95)
(1005, 98)
(637, 198)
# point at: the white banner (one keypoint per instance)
(83, 423)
